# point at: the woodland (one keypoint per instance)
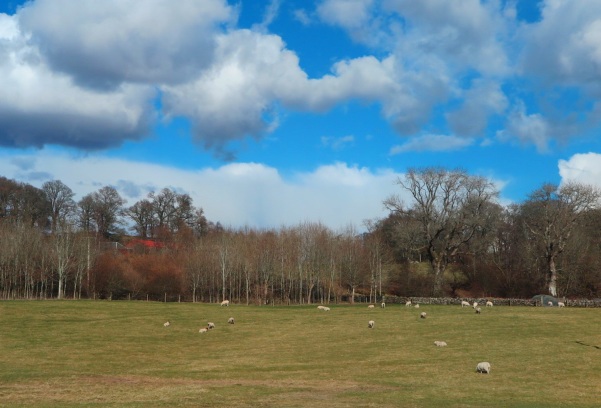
(452, 238)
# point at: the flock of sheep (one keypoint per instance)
(482, 367)
(210, 325)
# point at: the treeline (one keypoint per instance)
(452, 238)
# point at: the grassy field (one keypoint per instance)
(118, 354)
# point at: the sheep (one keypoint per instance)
(230, 320)
(210, 325)
(464, 303)
(440, 343)
(489, 304)
(371, 324)
(483, 367)
(203, 330)
(417, 306)
(478, 310)
(371, 306)
(561, 304)
(549, 303)
(423, 315)
(383, 305)
(321, 307)
(166, 324)
(408, 303)
(225, 303)
(475, 305)
(326, 309)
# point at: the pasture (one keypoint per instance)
(118, 354)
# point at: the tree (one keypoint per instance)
(61, 201)
(107, 209)
(143, 217)
(550, 214)
(449, 208)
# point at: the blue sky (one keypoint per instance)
(278, 112)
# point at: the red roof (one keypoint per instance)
(147, 243)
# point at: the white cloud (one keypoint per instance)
(565, 45)
(483, 99)
(526, 128)
(349, 14)
(435, 143)
(582, 168)
(237, 194)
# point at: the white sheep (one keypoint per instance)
(475, 305)
(478, 310)
(166, 324)
(550, 303)
(371, 306)
(489, 304)
(326, 309)
(203, 330)
(321, 307)
(210, 325)
(225, 303)
(230, 320)
(561, 304)
(417, 306)
(423, 315)
(464, 303)
(440, 343)
(408, 303)
(483, 367)
(371, 324)
(383, 305)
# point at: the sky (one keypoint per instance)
(275, 113)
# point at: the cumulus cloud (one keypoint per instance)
(526, 129)
(39, 106)
(482, 100)
(583, 168)
(103, 44)
(235, 194)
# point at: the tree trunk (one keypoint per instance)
(438, 268)
(552, 278)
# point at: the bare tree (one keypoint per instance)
(142, 215)
(61, 201)
(448, 206)
(108, 208)
(550, 214)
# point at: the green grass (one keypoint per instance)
(118, 354)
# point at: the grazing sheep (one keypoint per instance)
(464, 303)
(326, 309)
(489, 304)
(210, 325)
(475, 305)
(408, 303)
(321, 307)
(440, 343)
(383, 305)
(549, 303)
(230, 320)
(203, 330)
(423, 315)
(483, 367)
(561, 304)
(478, 310)
(371, 306)
(225, 303)
(166, 324)
(416, 306)
(371, 324)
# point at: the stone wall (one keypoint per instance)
(482, 301)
